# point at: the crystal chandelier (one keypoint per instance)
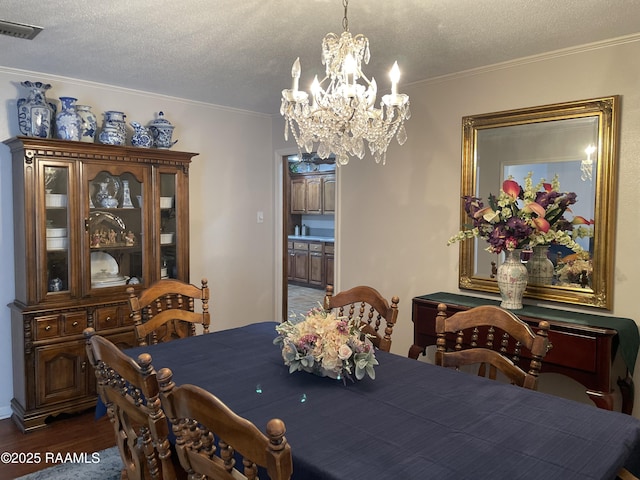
(342, 113)
(586, 166)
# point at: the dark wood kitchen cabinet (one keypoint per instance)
(300, 262)
(312, 194)
(310, 263)
(316, 264)
(90, 220)
(329, 249)
(329, 194)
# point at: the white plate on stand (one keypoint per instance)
(105, 271)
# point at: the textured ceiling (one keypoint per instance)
(239, 53)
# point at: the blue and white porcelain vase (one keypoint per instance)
(115, 126)
(35, 113)
(512, 280)
(141, 136)
(68, 122)
(89, 123)
(162, 130)
(111, 136)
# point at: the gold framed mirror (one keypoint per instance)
(578, 142)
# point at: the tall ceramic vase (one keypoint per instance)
(512, 280)
(539, 267)
(68, 122)
(89, 123)
(36, 113)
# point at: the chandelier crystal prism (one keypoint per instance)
(340, 114)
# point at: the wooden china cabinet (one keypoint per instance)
(90, 220)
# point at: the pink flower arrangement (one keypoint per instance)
(326, 345)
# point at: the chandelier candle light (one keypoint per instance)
(342, 113)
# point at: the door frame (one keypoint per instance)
(280, 232)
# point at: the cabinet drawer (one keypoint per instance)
(47, 327)
(300, 246)
(106, 318)
(126, 319)
(74, 323)
(582, 348)
(315, 247)
(329, 248)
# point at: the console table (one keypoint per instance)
(584, 345)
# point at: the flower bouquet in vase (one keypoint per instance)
(523, 218)
(326, 345)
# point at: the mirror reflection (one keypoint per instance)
(573, 143)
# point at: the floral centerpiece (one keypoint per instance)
(326, 345)
(524, 217)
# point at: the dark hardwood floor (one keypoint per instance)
(80, 433)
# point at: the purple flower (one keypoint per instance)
(307, 342)
(343, 327)
(563, 224)
(568, 199)
(472, 205)
(497, 238)
(518, 228)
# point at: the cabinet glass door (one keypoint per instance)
(168, 226)
(56, 200)
(116, 227)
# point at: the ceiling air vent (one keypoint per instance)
(19, 30)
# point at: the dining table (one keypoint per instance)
(415, 420)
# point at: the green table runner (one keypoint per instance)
(627, 329)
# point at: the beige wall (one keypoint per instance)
(416, 195)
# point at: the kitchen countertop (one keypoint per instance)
(313, 238)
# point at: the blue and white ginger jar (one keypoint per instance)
(35, 113)
(162, 130)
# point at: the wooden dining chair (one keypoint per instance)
(130, 391)
(370, 308)
(491, 336)
(624, 474)
(166, 310)
(213, 441)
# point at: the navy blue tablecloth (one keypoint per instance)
(414, 421)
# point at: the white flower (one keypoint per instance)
(331, 361)
(344, 352)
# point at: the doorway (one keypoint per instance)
(308, 217)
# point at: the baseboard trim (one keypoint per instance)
(5, 412)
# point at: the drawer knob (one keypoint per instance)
(74, 324)
(108, 319)
(47, 328)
